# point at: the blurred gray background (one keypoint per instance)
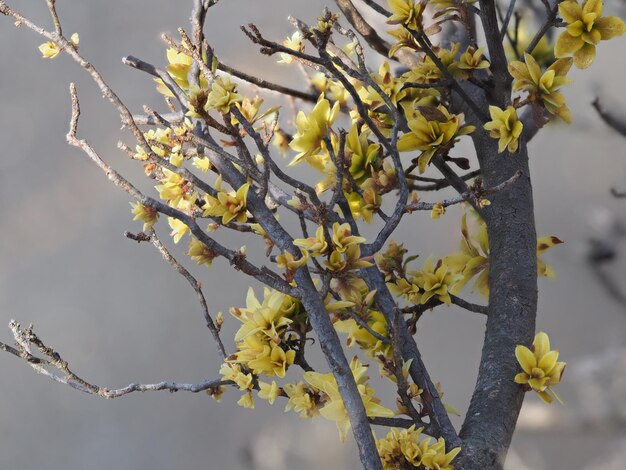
(119, 314)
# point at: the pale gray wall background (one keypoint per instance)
(120, 315)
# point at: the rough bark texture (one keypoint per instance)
(497, 399)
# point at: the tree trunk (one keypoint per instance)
(497, 399)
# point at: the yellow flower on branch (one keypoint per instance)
(312, 129)
(228, 205)
(541, 370)
(406, 12)
(432, 129)
(49, 50)
(333, 407)
(179, 228)
(436, 280)
(473, 259)
(201, 253)
(222, 95)
(506, 127)
(148, 215)
(586, 27)
(269, 392)
(296, 43)
(316, 245)
(543, 86)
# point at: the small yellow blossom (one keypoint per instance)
(228, 205)
(203, 164)
(288, 261)
(222, 95)
(431, 129)
(473, 59)
(179, 228)
(437, 211)
(586, 27)
(316, 245)
(543, 86)
(436, 280)
(334, 409)
(269, 392)
(49, 50)
(201, 253)
(301, 400)
(247, 400)
(342, 237)
(541, 371)
(312, 129)
(148, 215)
(436, 457)
(406, 12)
(296, 43)
(506, 127)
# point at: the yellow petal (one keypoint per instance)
(584, 57)
(541, 344)
(570, 11)
(567, 44)
(526, 358)
(548, 361)
(610, 27)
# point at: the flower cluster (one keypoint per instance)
(407, 449)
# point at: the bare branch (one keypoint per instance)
(25, 339)
(610, 119)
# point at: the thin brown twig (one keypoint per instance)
(25, 339)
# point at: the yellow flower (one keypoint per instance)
(342, 237)
(201, 253)
(436, 280)
(404, 449)
(409, 291)
(203, 164)
(272, 360)
(287, 261)
(296, 43)
(312, 129)
(473, 59)
(247, 400)
(268, 318)
(543, 86)
(269, 392)
(316, 245)
(436, 458)
(473, 259)
(229, 206)
(222, 95)
(301, 400)
(406, 12)
(506, 127)
(586, 27)
(148, 215)
(361, 152)
(541, 371)
(431, 129)
(179, 229)
(233, 372)
(437, 211)
(49, 50)
(356, 334)
(334, 409)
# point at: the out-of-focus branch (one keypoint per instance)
(610, 119)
